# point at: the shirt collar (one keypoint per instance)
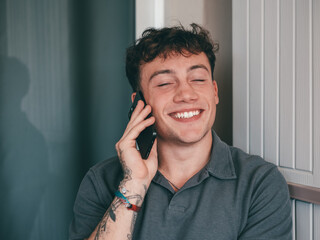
(220, 164)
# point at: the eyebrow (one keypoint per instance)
(198, 66)
(169, 71)
(165, 71)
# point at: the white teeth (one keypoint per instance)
(187, 114)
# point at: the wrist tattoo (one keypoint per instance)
(111, 214)
(126, 173)
(135, 215)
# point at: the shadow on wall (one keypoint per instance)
(24, 170)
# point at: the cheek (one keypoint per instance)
(207, 94)
(158, 99)
(156, 105)
(212, 94)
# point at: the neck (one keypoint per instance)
(179, 162)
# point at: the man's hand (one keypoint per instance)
(118, 221)
(135, 168)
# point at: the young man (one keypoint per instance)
(193, 185)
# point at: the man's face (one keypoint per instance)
(182, 95)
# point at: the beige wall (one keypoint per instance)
(216, 16)
(218, 19)
(184, 12)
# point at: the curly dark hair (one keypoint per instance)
(164, 42)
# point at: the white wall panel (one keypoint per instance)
(276, 61)
(240, 48)
(303, 80)
(256, 72)
(316, 89)
(316, 220)
(293, 206)
(271, 81)
(287, 84)
(304, 220)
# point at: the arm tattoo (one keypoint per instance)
(133, 222)
(135, 215)
(110, 213)
(126, 172)
(134, 218)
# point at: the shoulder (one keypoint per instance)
(256, 175)
(259, 177)
(107, 174)
(250, 165)
(95, 194)
(102, 179)
(265, 197)
(107, 166)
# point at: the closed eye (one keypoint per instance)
(198, 80)
(163, 84)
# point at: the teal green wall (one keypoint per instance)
(64, 100)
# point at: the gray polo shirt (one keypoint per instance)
(236, 196)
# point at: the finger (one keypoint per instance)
(139, 107)
(143, 114)
(135, 131)
(128, 140)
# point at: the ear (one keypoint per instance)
(133, 95)
(215, 86)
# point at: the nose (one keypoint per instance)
(185, 93)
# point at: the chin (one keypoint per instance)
(187, 136)
(195, 137)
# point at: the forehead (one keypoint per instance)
(175, 62)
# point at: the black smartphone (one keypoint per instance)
(146, 138)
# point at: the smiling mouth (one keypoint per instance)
(186, 114)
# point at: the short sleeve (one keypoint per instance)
(269, 215)
(88, 209)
